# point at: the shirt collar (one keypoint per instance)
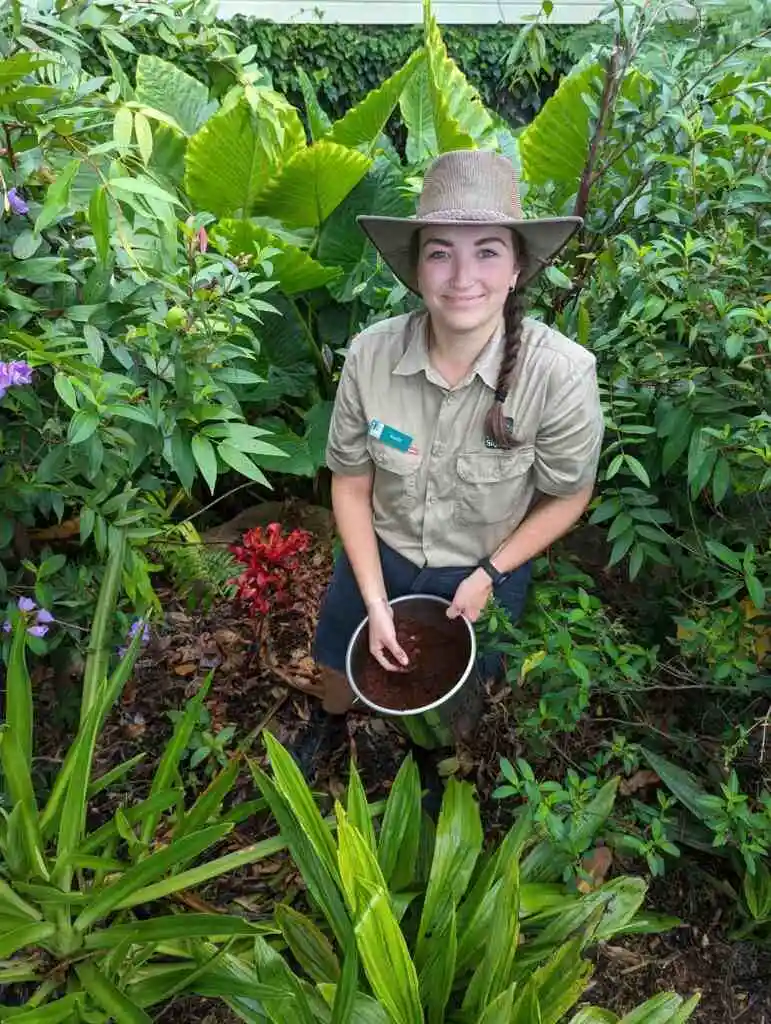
(416, 359)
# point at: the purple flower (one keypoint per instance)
(16, 202)
(7, 627)
(14, 374)
(44, 617)
(37, 630)
(135, 629)
(26, 604)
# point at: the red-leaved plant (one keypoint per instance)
(271, 559)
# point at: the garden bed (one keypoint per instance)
(250, 691)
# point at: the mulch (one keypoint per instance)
(250, 689)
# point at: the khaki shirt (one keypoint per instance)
(451, 499)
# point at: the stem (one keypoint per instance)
(98, 656)
(609, 94)
(316, 352)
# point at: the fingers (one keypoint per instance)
(383, 655)
(471, 613)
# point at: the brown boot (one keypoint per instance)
(338, 696)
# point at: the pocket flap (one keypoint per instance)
(391, 459)
(488, 467)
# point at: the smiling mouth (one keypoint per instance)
(464, 298)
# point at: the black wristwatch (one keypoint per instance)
(492, 572)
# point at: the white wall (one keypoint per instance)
(406, 12)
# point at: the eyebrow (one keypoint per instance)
(482, 241)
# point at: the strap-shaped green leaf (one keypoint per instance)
(400, 829)
(381, 944)
(108, 996)
(310, 947)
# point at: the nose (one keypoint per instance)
(462, 272)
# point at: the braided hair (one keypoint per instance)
(496, 427)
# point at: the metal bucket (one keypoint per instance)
(430, 725)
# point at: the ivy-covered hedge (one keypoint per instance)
(346, 61)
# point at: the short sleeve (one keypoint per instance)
(346, 451)
(569, 438)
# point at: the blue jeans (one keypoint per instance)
(343, 609)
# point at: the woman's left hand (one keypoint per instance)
(471, 596)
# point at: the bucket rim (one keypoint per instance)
(411, 712)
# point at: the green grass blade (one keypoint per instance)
(107, 995)
(493, 972)
(358, 807)
(438, 971)
(499, 1010)
(54, 1013)
(31, 934)
(168, 767)
(13, 905)
(119, 772)
(347, 990)
(18, 697)
(290, 1006)
(309, 946)
(104, 698)
(147, 871)
(382, 947)
(175, 926)
(209, 803)
(23, 832)
(297, 794)
(323, 883)
(457, 847)
(99, 645)
(665, 1008)
(97, 839)
(194, 877)
(400, 829)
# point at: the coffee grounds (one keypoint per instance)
(438, 654)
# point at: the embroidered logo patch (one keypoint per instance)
(490, 442)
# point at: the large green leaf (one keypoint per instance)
(164, 87)
(460, 118)
(231, 159)
(438, 971)
(492, 976)
(362, 124)
(456, 849)
(108, 996)
(289, 1005)
(418, 114)
(312, 184)
(684, 786)
(343, 244)
(57, 1012)
(553, 988)
(293, 269)
(382, 947)
(170, 927)
(555, 145)
(665, 1008)
(400, 829)
(593, 1015)
(310, 947)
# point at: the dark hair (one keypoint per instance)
(496, 427)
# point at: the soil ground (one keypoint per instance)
(250, 690)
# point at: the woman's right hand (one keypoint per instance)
(383, 645)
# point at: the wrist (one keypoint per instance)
(490, 571)
(373, 602)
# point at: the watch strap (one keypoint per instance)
(492, 572)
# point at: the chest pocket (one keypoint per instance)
(396, 478)
(493, 485)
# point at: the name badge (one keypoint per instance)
(390, 436)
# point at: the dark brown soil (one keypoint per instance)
(438, 653)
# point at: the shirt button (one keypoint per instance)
(437, 449)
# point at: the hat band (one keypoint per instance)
(473, 215)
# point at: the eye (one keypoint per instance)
(437, 254)
(487, 254)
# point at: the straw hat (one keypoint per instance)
(470, 186)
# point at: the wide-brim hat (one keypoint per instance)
(470, 186)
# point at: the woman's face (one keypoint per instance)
(465, 273)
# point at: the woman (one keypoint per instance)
(465, 438)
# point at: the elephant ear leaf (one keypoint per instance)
(362, 124)
(555, 145)
(231, 159)
(461, 120)
(163, 87)
(313, 184)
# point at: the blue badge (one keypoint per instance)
(390, 436)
